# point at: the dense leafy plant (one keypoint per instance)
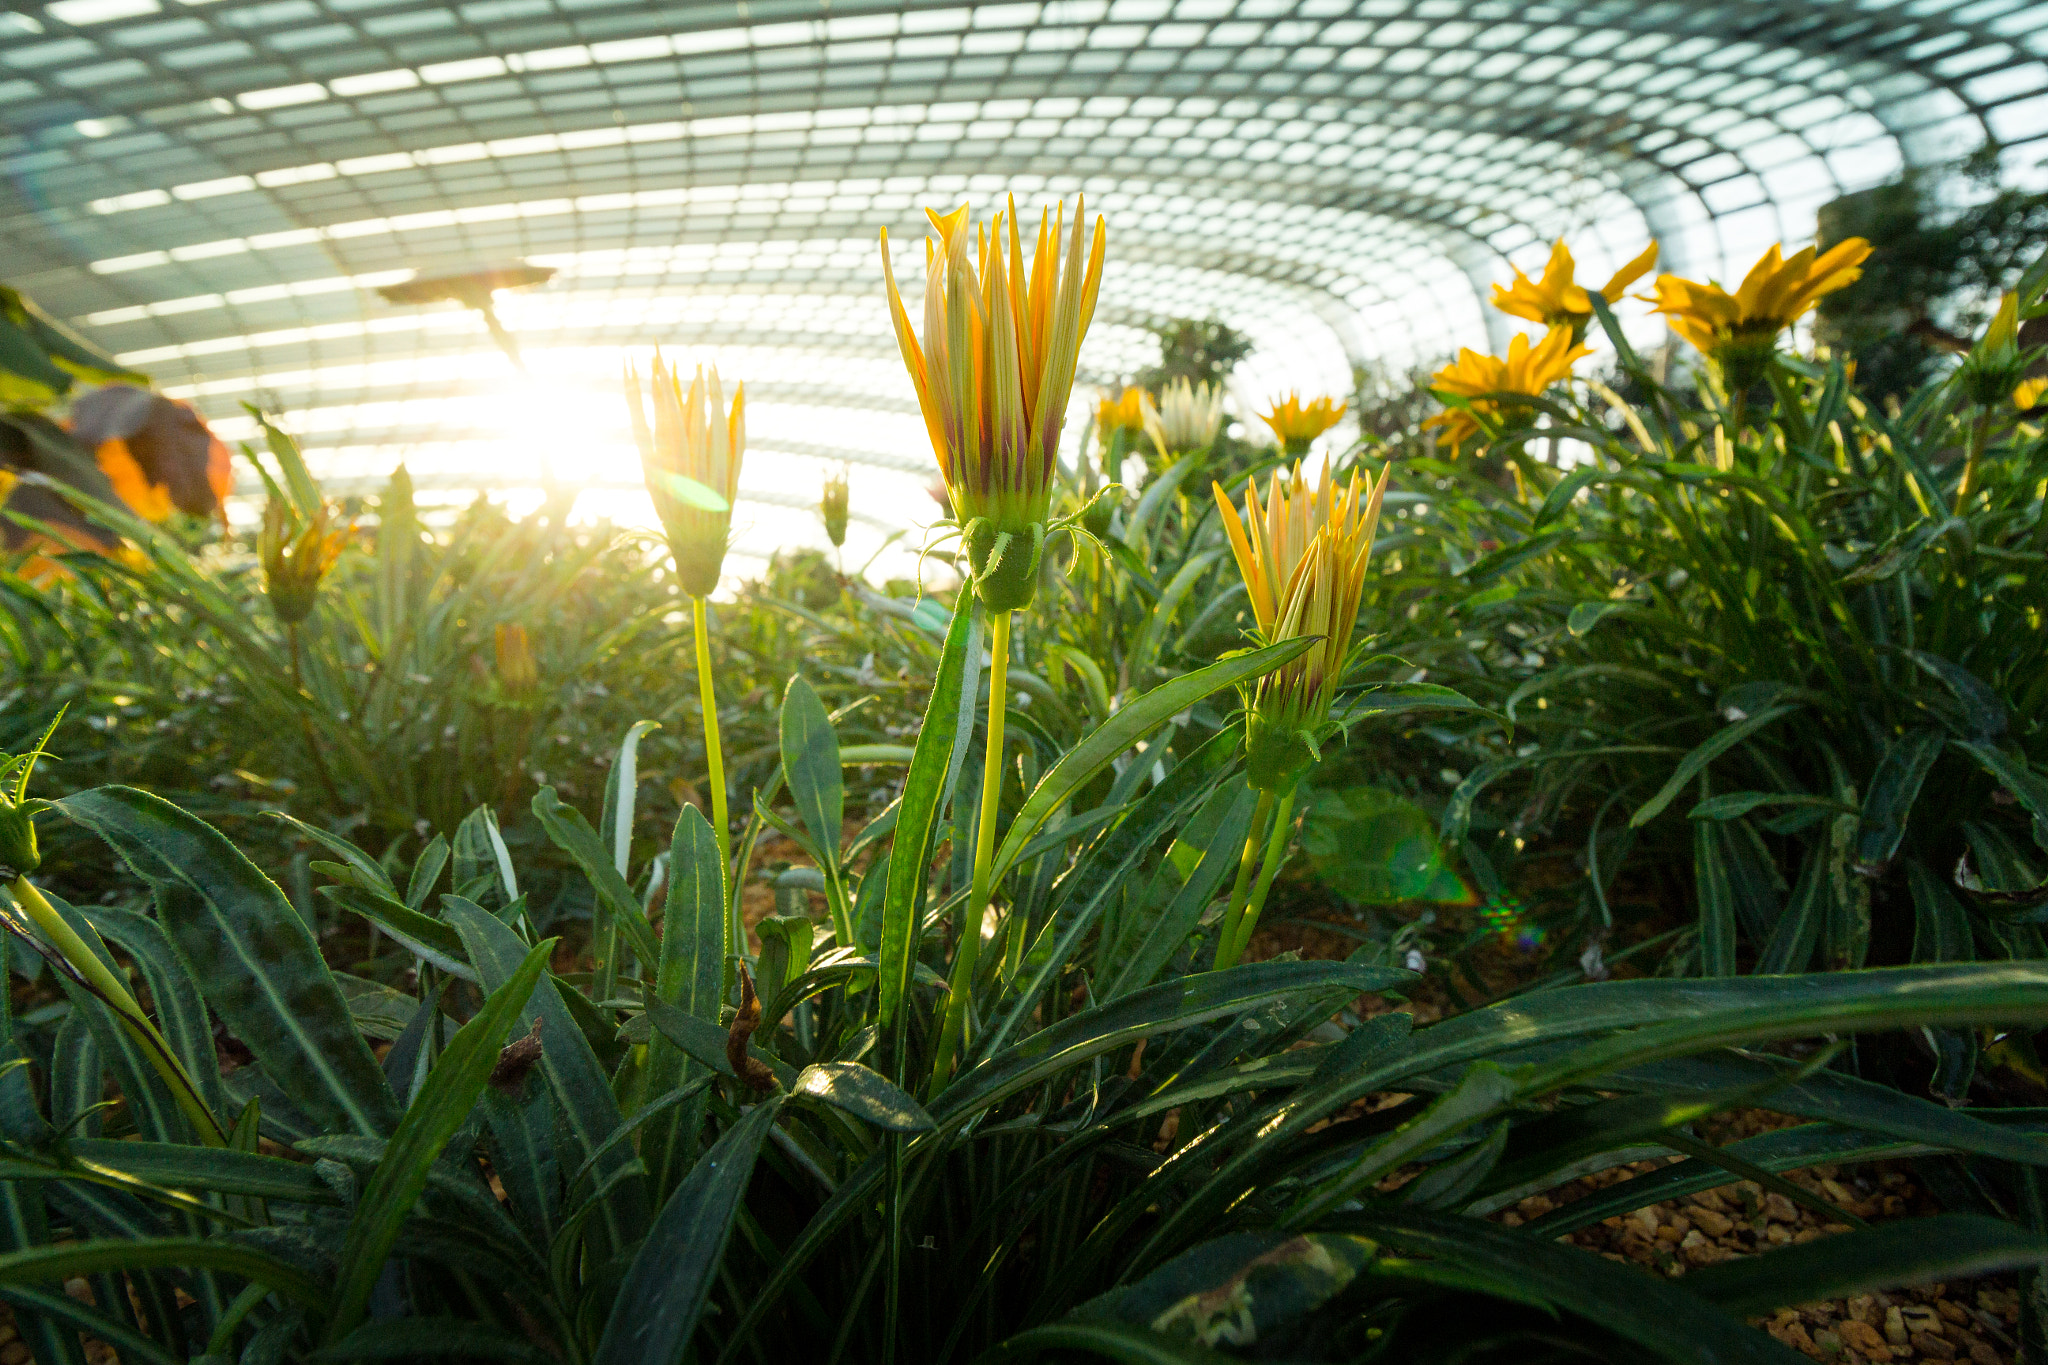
(1798, 655)
(688, 1156)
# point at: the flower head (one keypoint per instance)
(1555, 300)
(1996, 367)
(832, 506)
(1303, 555)
(297, 553)
(690, 457)
(1125, 412)
(1188, 418)
(517, 673)
(1739, 331)
(1297, 423)
(994, 374)
(1526, 370)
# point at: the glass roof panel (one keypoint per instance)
(215, 191)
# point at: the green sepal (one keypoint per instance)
(1276, 754)
(1004, 568)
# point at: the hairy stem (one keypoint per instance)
(1979, 431)
(320, 769)
(966, 956)
(714, 756)
(1240, 892)
(1276, 849)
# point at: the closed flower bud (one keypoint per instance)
(1186, 421)
(1994, 370)
(690, 456)
(297, 555)
(517, 673)
(993, 375)
(1303, 556)
(833, 506)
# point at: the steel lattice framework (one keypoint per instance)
(213, 190)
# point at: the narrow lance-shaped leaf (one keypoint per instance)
(252, 955)
(572, 834)
(936, 741)
(1893, 790)
(1691, 765)
(689, 978)
(670, 1279)
(1131, 723)
(810, 764)
(443, 1104)
(582, 1090)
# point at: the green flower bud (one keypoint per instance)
(1004, 564)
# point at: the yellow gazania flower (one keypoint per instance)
(1125, 412)
(1526, 370)
(1297, 423)
(1303, 556)
(1739, 331)
(690, 457)
(1555, 300)
(1187, 420)
(2030, 394)
(994, 375)
(296, 556)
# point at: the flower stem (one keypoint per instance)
(320, 768)
(1226, 933)
(966, 956)
(1276, 848)
(735, 929)
(111, 989)
(1978, 433)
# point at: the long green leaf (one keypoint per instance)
(1167, 1006)
(1893, 790)
(1781, 1150)
(180, 1011)
(123, 1255)
(581, 1089)
(810, 765)
(936, 741)
(572, 834)
(442, 1105)
(689, 978)
(1689, 767)
(867, 1095)
(422, 935)
(222, 1171)
(254, 960)
(1112, 1340)
(1470, 1253)
(1131, 723)
(1951, 1246)
(670, 1279)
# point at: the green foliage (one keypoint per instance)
(1936, 275)
(1778, 669)
(1167, 1170)
(1202, 352)
(1766, 678)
